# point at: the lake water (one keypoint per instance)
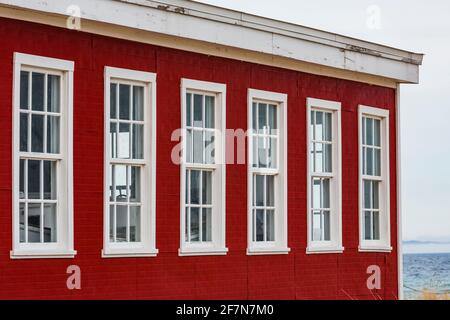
(425, 271)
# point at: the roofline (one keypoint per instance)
(212, 12)
(227, 30)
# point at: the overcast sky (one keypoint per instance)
(420, 26)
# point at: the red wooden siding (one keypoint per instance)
(168, 276)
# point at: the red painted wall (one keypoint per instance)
(168, 276)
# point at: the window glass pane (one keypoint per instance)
(318, 161)
(327, 166)
(188, 109)
(367, 201)
(120, 180)
(37, 133)
(23, 132)
(198, 146)
(270, 225)
(273, 118)
(53, 134)
(138, 103)
(270, 191)
(195, 187)
(206, 187)
(209, 112)
(325, 193)
(262, 152)
(254, 117)
(49, 180)
(377, 135)
(111, 183)
(113, 101)
(259, 190)
(22, 179)
(272, 152)
(206, 224)
(311, 128)
(34, 222)
(121, 223)
(376, 225)
(262, 117)
(24, 76)
(34, 179)
(123, 141)
(364, 160)
(22, 221)
(316, 226)
(377, 162)
(375, 198)
(111, 223)
(363, 132)
(326, 225)
(209, 147)
(319, 126)
(259, 225)
(124, 101)
(138, 141)
(50, 222)
(316, 193)
(189, 145)
(53, 93)
(367, 225)
(327, 127)
(187, 225)
(369, 131)
(255, 151)
(198, 112)
(37, 93)
(135, 224)
(135, 192)
(113, 137)
(195, 232)
(312, 158)
(369, 160)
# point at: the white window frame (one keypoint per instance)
(279, 246)
(64, 247)
(334, 245)
(147, 246)
(217, 246)
(384, 244)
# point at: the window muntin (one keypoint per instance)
(126, 132)
(200, 152)
(40, 116)
(264, 134)
(324, 187)
(130, 135)
(42, 165)
(371, 154)
(374, 179)
(267, 184)
(202, 214)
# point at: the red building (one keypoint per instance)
(297, 199)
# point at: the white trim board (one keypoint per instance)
(200, 22)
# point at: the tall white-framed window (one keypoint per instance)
(267, 173)
(203, 109)
(324, 218)
(130, 162)
(42, 157)
(374, 218)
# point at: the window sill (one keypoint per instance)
(386, 249)
(186, 252)
(22, 254)
(129, 253)
(324, 250)
(267, 251)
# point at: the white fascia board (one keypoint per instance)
(203, 22)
